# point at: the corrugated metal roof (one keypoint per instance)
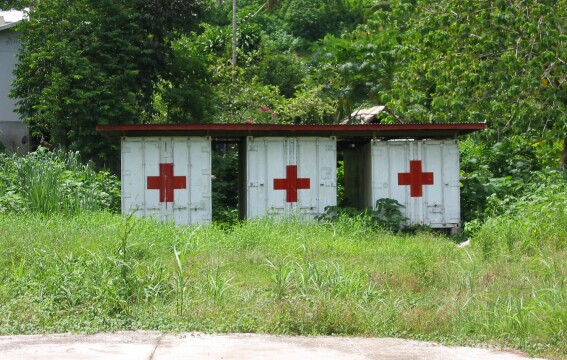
(414, 131)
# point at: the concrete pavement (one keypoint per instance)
(157, 346)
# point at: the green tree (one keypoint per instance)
(91, 62)
(14, 4)
(313, 19)
(186, 94)
(504, 62)
(284, 70)
(358, 67)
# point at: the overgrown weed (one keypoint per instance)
(49, 182)
(96, 272)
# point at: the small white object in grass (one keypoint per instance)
(465, 243)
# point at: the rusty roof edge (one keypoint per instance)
(239, 130)
(252, 127)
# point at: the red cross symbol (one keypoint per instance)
(166, 182)
(291, 183)
(416, 178)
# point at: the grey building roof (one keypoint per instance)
(10, 18)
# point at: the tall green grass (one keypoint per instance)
(50, 182)
(102, 272)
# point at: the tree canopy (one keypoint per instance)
(92, 62)
(504, 62)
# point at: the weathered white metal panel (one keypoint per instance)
(290, 176)
(421, 175)
(167, 178)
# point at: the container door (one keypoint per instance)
(317, 160)
(290, 176)
(137, 153)
(442, 200)
(192, 159)
(167, 178)
(264, 156)
(390, 158)
(423, 176)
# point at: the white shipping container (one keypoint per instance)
(422, 175)
(286, 175)
(168, 178)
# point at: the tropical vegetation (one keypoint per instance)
(295, 61)
(70, 262)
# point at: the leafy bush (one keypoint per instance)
(284, 70)
(309, 106)
(55, 182)
(185, 96)
(387, 214)
(247, 100)
(313, 19)
(495, 176)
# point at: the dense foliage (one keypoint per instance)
(494, 176)
(298, 61)
(48, 183)
(94, 62)
(497, 61)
